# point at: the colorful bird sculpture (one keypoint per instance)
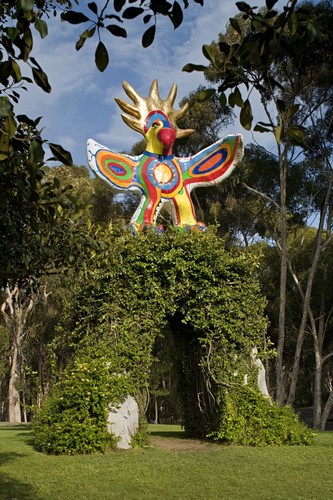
(162, 179)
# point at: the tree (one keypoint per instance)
(15, 310)
(278, 55)
(160, 378)
(21, 143)
(208, 119)
(47, 239)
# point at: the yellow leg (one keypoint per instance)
(185, 213)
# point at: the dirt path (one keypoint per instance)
(176, 444)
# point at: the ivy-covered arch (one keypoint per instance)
(211, 300)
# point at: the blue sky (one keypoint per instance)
(81, 104)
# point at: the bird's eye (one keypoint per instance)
(155, 124)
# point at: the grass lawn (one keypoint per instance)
(167, 472)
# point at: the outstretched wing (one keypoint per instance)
(213, 164)
(115, 168)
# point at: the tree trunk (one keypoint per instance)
(302, 328)
(318, 342)
(14, 406)
(15, 310)
(327, 411)
(280, 376)
(329, 403)
(156, 410)
(319, 248)
(317, 388)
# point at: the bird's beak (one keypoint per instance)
(167, 137)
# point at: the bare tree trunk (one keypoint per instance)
(14, 406)
(280, 376)
(282, 244)
(329, 403)
(318, 342)
(319, 248)
(156, 410)
(327, 411)
(317, 384)
(318, 335)
(302, 328)
(15, 311)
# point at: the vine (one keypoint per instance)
(211, 300)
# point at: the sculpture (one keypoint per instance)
(157, 175)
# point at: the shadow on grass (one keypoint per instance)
(14, 427)
(9, 456)
(11, 488)
(28, 438)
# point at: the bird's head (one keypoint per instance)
(154, 117)
(160, 133)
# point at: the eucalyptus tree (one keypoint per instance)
(69, 210)
(285, 59)
(52, 248)
(315, 291)
(42, 234)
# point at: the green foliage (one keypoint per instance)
(248, 418)
(118, 301)
(140, 439)
(20, 22)
(21, 143)
(120, 11)
(207, 118)
(38, 223)
(74, 417)
(164, 401)
(271, 51)
(286, 58)
(209, 297)
(301, 243)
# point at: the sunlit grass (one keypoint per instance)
(302, 472)
(172, 431)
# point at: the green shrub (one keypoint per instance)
(73, 419)
(249, 418)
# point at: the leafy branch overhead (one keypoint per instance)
(22, 19)
(250, 57)
(18, 22)
(103, 18)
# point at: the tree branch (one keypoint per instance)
(268, 198)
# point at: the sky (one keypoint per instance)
(81, 104)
